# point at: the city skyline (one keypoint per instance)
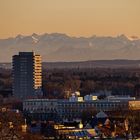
(75, 18)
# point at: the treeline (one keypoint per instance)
(58, 83)
(5, 82)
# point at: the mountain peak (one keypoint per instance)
(19, 36)
(34, 34)
(122, 37)
(58, 35)
(134, 38)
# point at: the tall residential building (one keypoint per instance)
(27, 75)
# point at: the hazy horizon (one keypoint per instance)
(73, 17)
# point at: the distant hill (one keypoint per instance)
(94, 64)
(86, 64)
(61, 47)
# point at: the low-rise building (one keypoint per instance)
(72, 108)
(41, 109)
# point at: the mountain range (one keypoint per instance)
(56, 47)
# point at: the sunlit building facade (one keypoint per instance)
(27, 75)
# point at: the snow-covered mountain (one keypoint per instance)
(61, 47)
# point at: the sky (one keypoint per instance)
(73, 17)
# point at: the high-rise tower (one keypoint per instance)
(27, 75)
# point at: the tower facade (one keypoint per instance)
(27, 75)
